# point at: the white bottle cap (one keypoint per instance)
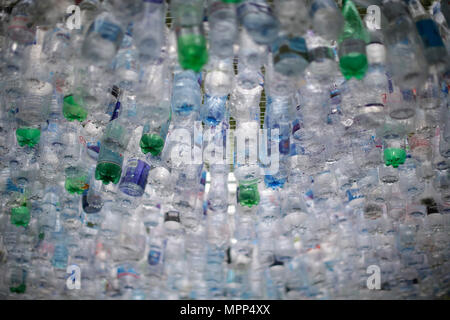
(376, 53)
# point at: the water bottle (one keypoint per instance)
(102, 40)
(21, 28)
(259, 20)
(326, 19)
(371, 115)
(403, 47)
(186, 99)
(156, 126)
(394, 145)
(113, 145)
(36, 93)
(149, 32)
(134, 178)
(434, 49)
(223, 28)
(218, 84)
(191, 41)
(125, 11)
(293, 16)
(352, 40)
(290, 54)
(251, 54)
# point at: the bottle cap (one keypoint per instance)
(376, 53)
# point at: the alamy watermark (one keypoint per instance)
(245, 146)
(374, 281)
(74, 17)
(74, 280)
(373, 17)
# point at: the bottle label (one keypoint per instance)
(110, 156)
(172, 216)
(53, 127)
(295, 126)
(429, 33)
(93, 149)
(154, 1)
(216, 6)
(285, 47)
(418, 143)
(321, 4)
(20, 22)
(115, 112)
(351, 46)
(136, 173)
(252, 7)
(124, 271)
(61, 33)
(106, 30)
(116, 134)
(154, 255)
(126, 62)
(353, 194)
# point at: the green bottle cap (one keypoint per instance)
(20, 216)
(394, 157)
(192, 52)
(73, 110)
(28, 136)
(248, 195)
(353, 65)
(152, 143)
(108, 172)
(19, 289)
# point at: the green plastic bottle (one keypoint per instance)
(112, 149)
(153, 139)
(109, 166)
(352, 43)
(192, 51)
(191, 40)
(248, 195)
(73, 108)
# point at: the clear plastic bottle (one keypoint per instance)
(327, 20)
(102, 40)
(223, 29)
(405, 57)
(434, 49)
(149, 32)
(259, 20)
(112, 148)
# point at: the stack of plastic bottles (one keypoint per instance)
(224, 149)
